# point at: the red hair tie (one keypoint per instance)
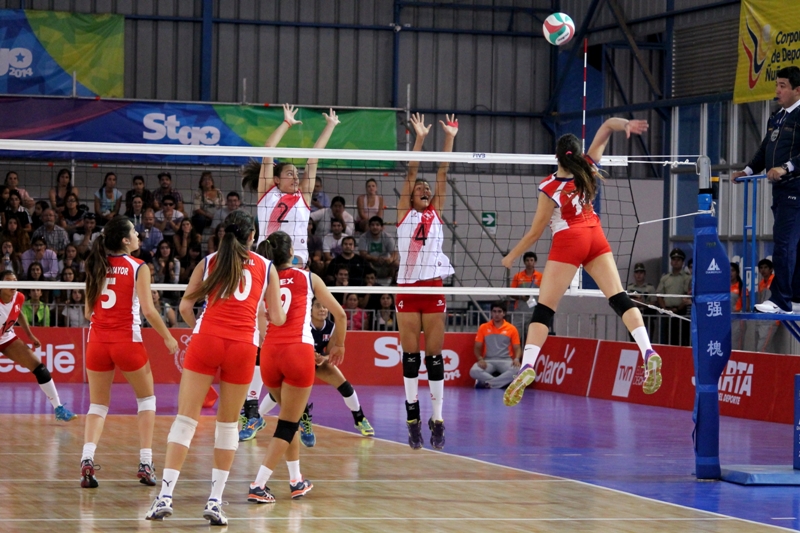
(569, 153)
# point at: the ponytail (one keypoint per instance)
(570, 157)
(251, 173)
(233, 251)
(277, 248)
(109, 241)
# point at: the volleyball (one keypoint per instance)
(558, 29)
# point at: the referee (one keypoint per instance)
(779, 155)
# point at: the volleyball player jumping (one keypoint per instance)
(420, 234)
(288, 363)
(565, 200)
(117, 288)
(283, 204)
(234, 282)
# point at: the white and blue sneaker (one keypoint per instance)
(160, 509)
(213, 513)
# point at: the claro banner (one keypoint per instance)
(753, 385)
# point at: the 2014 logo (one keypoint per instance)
(16, 62)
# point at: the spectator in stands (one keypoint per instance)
(14, 207)
(356, 317)
(56, 237)
(167, 266)
(369, 205)
(61, 296)
(233, 202)
(207, 199)
(186, 236)
(316, 263)
(323, 218)
(190, 261)
(165, 189)
(40, 254)
(12, 182)
(10, 259)
(314, 241)
(73, 312)
(4, 192)
(164, 309)
(766, 269)
(379, 250)
(107, 199)
(497, 349)
(640, 290)
(213, 241)
(369, 301)
(136, 213)
(35, 272)
(149, 236)
(168, 218)
(35, 310)
(342, 280)
(71, 218)
(12, 232)
(319, 200)
(677, 281)
(84, 239)
(36, 217)
(72, 260)
(140, 191)
(739, 298)
(332, 243)
(770, 335)
(384, 317)
(63, 188)
(348, 258)
(524, 279)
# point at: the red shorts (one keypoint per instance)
(7, 344)
(236, 360)
(105, 356)
(579, 246)
(421, 303)
(292, 364)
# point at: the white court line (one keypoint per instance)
(388, 519)
(316, 480)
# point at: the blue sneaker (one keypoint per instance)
(254, 425)
(64, 415)
(260, 495)
(307, 436)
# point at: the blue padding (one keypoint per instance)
(707, 388)
(761, 475)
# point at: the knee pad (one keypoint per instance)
(345, 389)
(182, 430)
(543, 315)
(97, 409)
(146, 404)
(620, 303)
(435, 366)
(226, 436)
(42, 374)
(286, 430)
(411, 364)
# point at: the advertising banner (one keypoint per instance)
(769, 39)
(61, 352)
(39, 51)
(84, 120)
(565, 365)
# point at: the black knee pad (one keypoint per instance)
(435, 366)
(258, 356)
(411, 364)
(620, 303)
(286, 430)
(345, 389)
(42, 374)
(543, 315)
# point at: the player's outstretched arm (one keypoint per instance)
(610, 126)
(421, 131)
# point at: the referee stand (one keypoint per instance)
(711, 341)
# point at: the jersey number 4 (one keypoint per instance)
(419, 234)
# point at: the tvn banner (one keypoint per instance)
(753, 385)
(769, 39)
(93, 120)
(39, 51)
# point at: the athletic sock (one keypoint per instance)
(530, 354)
(358, 416)
(263, 476)
(642, 340)
(267, 405)
(218, 480)
(254, 391)
(437, 398)
(146, 456)
(251, 408)
(352, 402)
(412, 388)
(88, 451)
(50, 391)
(412, 411)
(168, 479)
(294, 471)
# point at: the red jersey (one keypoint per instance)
(572, 210)
(296, 297)
(9, 313)
(115, 315)
(236, 317)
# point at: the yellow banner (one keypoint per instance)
(769, 40)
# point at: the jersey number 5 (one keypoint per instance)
(112, 296)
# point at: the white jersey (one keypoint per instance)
(9, 313)
(278, 211)
(420, 236)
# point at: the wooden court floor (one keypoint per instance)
(359, 485)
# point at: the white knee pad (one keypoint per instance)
(226, 436)
(146, 404)
(97, 409)
(182, 430)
